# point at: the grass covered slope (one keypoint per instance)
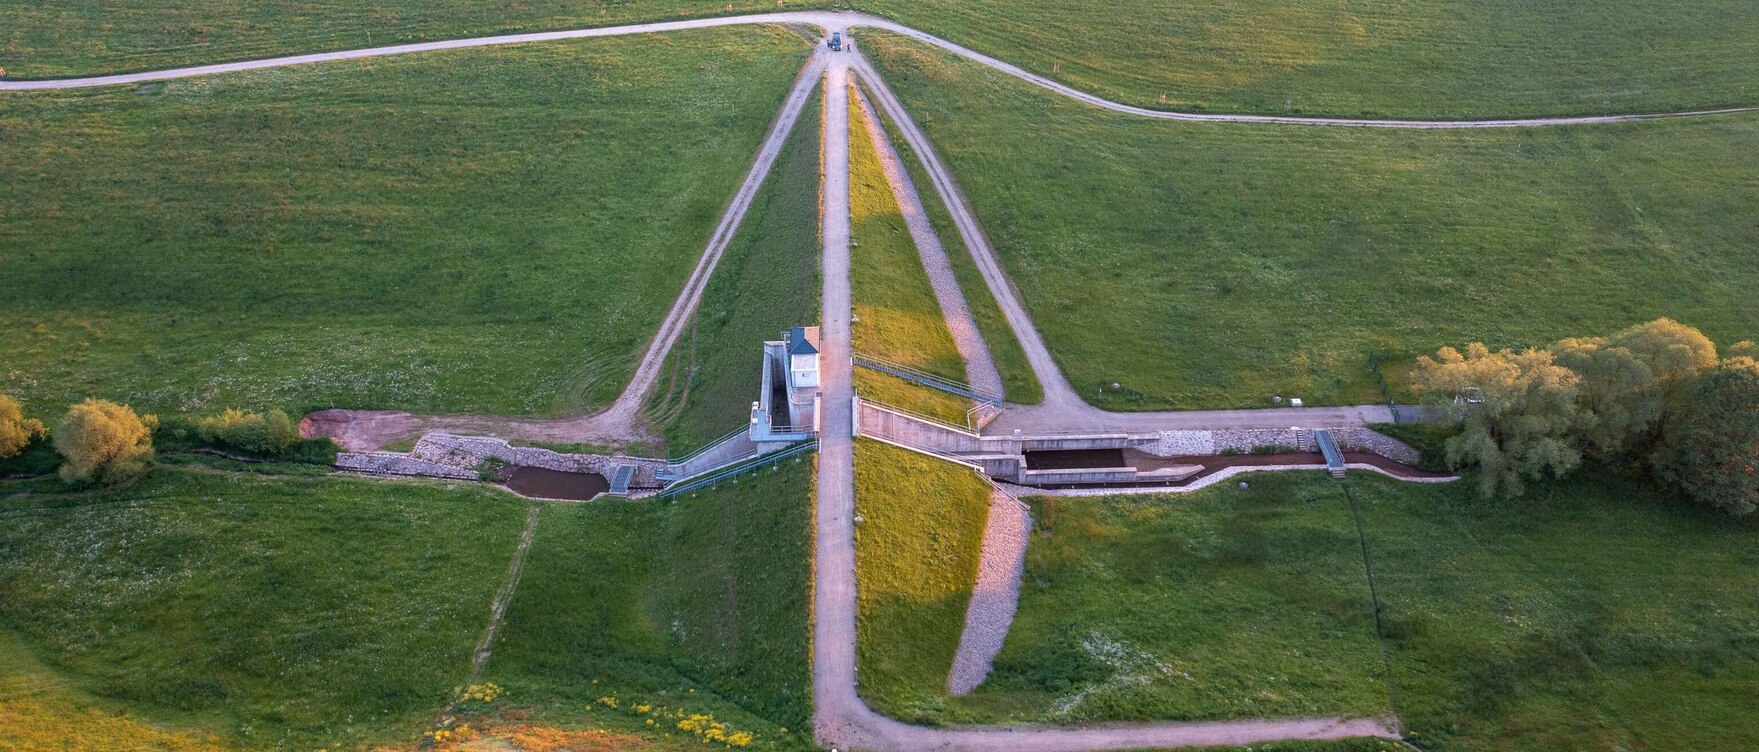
(63, 40)
(1416, 59)
(767, 281)
(487, 230)
(918, 539)
(1597, 614)
(698, 606)
(1220, 604)
(896, 315)
(268, 612)
(1215, 265)
(40, 710)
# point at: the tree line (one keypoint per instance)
(102, 442)
(1657, 398)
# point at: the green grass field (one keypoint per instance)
(208, 609)
(57, 41)
(698, 606)
(1425, 58)
(1420, 58)
(767, 281)
(1226, 604)
(490, 230)
(916, 551)
(1595, 614)
(266, 612)
(1216, 265)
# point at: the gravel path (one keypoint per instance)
(980, 367)
(996, 594)
(829, 21)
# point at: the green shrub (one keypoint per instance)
(266, 433)
(104, 442)
(16, 431)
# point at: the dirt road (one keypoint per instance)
(829, 21)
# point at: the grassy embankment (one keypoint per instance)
(1427, 58)
(485, 230)
(897, 317)
(59, 41)
(234, 611)
(767, 281)
(1018, 381)
(1216, 265)
(1592, 615)
(262, 612)
(695, 607)
(917, 547)
(1417, 59)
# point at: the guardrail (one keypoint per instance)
(913, 415)
(926, 379)
(706, 448)
(738, 470)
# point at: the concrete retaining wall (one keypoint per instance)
(879, 422)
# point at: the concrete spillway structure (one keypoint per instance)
(1120, 458)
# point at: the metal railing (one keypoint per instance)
(913, 415)
(738, 470)
(925, 378)
(706, 448)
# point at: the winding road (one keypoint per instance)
(841, 718)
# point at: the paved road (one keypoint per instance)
(621, 421)
(830, 21)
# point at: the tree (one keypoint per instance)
(269, 433)
(1630, 380)
(1711, 448)
(16, 431)
(104, 441)
(1744, 349)
(1517, 410)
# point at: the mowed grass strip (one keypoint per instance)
(767, 281)
(917, 547)
(897, 316)
(59, 41)
(693, 606)
(487, 230)
(1427, 59)
(1221, 604)
(269, 612)
(1217, 265)
(1596, 614)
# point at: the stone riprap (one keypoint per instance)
(396, 463)
(444, 455)
(1190, 443)
(1369, 440)
(996, 594)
